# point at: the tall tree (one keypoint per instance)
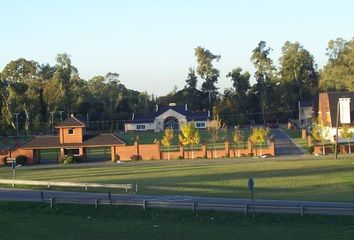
(338, 73)
(207, 71)
(298, 71)
(264, 75)
(191, 81)
(62, 78)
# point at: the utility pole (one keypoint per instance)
(61, 115)
(52, 119)
(16, 114)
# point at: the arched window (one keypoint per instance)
(171, 122)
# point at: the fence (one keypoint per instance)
(246, 207)
(131, 187)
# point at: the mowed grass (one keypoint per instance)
(21, 220)
(296, 178)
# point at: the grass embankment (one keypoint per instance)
(307, 178)
(20, 220)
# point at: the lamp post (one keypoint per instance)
(16, 114)
(61, 115)
(52, 118)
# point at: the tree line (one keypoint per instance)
(31, 90)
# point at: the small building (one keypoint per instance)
(305, 113)
(327, 113)
(71, 141)
(171, 116)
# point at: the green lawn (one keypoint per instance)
(296, 136)
(21, 220)
(302, 178)
(150, 137)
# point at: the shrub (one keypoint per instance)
(311, 149)
(69, 159)
(135, 157)
(250, 154)
(3, 160)
(180, 157)
(21, 159)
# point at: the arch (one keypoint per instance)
(171, 122)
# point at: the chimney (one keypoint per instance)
(133, 116)
(157, 108)
(186, 107)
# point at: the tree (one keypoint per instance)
(297, 71)
(207, 71)
(167, 139)
(237, 138)
(191, 81)
(189, 135)
(320, 133)
(264, 75)
(63, 79)
(217, 129)
(338, 73)
(259, 136)
(347, 134)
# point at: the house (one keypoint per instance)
(305, 113)
(327, 113)
(70, 141)
(171, 116)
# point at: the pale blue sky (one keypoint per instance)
(151, 43)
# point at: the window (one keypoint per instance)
(140, 127)
(71, 131)
(71, 152)
(200, 125)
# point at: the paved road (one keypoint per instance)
(284, 145)
(35, 196)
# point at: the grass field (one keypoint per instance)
(150, 137)
(317, 178)
(20, 220)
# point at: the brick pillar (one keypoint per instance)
(303, 133)
(181, 150)
(249, 146)
(113, 153)
(309, 140)
(204, 150)
(226, 146)
(272, 146)
(61, 154)
(158, 149)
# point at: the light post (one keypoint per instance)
(61, 115)
(16, 114)
(52, 118)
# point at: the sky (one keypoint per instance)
(151, 43)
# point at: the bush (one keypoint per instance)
(21, 159)
(135, 157)
(311, 149)
(3, 160)
(250, 154)
(180, 157)
(69, 159)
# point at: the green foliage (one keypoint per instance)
(69, 159)
(189, 134)
(167, 137)
(338, 73)
(319, 132)
(347, 134)
(21, 159)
